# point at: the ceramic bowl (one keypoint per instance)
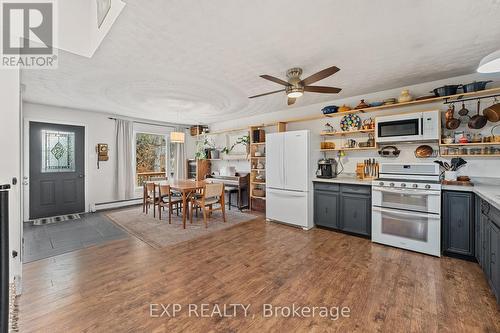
(330, 109)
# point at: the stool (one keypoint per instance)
(230, 190)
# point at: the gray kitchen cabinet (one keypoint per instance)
(458, 224)
(343, 207)
(355, 213)
(477, 230)
(494, 251)
(488, 237)
(326, 205)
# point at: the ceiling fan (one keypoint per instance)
(295, 86)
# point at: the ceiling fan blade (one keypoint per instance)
(291, 101)
(321, 89)
(320, 75)
(275, 79)
(269, 93)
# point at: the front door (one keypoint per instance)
(56, 164)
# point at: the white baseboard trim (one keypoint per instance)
(115, 204)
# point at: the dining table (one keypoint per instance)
(186, 187)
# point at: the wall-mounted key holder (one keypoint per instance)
(102, 153)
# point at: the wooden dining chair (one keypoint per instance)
(211, 195)
(150, 197)
(167, 200)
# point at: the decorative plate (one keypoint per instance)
(349, 122)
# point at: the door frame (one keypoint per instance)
(138, 189)
(26, 161)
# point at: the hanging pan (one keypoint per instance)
(477, 121)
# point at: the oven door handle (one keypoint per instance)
(413, 214)
(409, 191)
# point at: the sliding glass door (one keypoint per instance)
(151, 157)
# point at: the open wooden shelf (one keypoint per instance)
(258, 182)
(470, 144)
(470, 155)
(258, 143)
(341, 133)
(456, 97)
(255, 197)
(258, 170)
(258, 157)
(349, 149)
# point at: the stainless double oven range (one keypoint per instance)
(406, 207)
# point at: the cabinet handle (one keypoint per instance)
(493, 255)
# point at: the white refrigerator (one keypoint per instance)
(288, 178)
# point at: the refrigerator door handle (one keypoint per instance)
(283, 162)
(285, 193)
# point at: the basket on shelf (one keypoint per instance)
(258, 192)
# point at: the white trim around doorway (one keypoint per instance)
(26, 159)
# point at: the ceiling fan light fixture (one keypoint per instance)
(295, 94)
(490, 63)
(294, 91)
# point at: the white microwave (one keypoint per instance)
(419, 126)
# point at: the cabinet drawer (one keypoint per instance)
(359, 189)
(326, 187)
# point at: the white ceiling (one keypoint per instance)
(194, 61)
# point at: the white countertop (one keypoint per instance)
(344, 179)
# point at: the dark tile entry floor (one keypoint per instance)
(44, 241)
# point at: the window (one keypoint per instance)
(150, 156)
(58, 151)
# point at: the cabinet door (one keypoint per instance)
(494, 251)
(458, 223)
(477, 229)
(355, 213)
(486, 247)
(326, 206)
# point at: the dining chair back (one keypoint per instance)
(150, 197)
(213, 190)
(212, 194)
(165, 199)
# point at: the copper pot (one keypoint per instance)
(477, 121)
(492, 113)
(451, 122)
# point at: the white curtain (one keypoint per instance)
(124, 173)
(180, 158)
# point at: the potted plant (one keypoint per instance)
(242, 140)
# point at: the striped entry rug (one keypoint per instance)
(55, 219)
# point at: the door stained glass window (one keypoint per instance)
(58, 151)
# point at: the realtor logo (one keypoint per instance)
(28, 34)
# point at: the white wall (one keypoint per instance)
(10, 160)
(476, 167)
(78, 30)
(99, 129)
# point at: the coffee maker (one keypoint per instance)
(327, 168)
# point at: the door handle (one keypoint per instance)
(80, 176)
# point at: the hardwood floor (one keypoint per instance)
(109, 288)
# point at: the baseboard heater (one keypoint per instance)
(115, 204)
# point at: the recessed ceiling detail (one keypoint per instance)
(197, 62)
